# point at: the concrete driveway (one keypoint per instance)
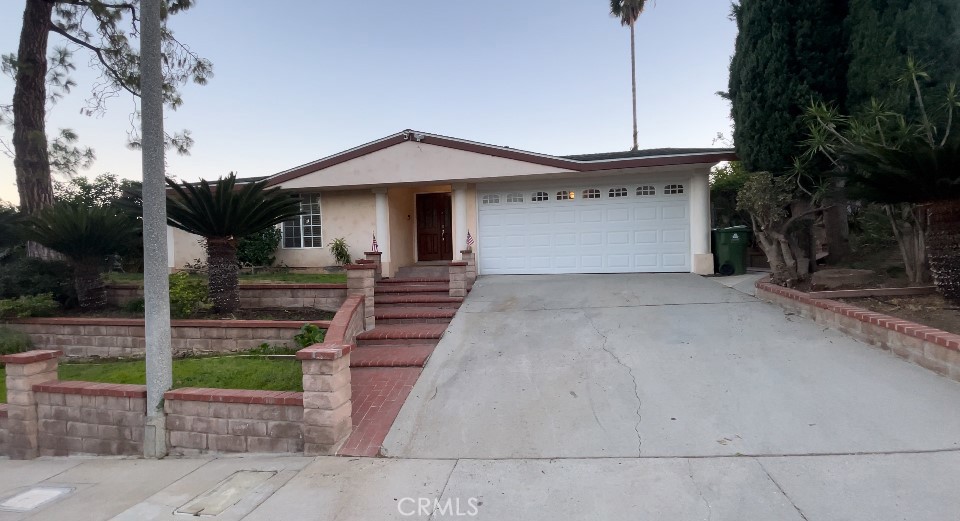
(589, 366)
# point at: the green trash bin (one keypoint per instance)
(730, 249)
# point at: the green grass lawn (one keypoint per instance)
(293, 278)
(223, 373)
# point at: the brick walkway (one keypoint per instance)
(378, 395)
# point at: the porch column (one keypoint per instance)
(383, 229)
(702, 261)
(459, 218)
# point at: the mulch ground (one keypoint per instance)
(930, 310)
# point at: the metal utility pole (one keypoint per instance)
(156, 285)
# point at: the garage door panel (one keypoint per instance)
(607, 234)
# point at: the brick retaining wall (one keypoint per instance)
(928, 347)
(222, 420)
(3, 428)
(327, 297)
(90, 418)
(85, 338)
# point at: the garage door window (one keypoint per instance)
(646, 190)
(673, 189)
(565, 195)
(591, 193)
(540, 196)
(618, 192)
(491, 199)
(515, 197)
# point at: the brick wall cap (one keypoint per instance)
(200, 394)
(359, 266)
(324, 351)
(459, 263)
(378, 253)
(92, 389)
(284, 285)
(29, 357)
(138, 322)
(468, 250)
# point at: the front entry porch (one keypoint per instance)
(423, 224)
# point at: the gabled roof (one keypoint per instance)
(577, 163)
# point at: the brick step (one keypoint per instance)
(411, 355)
(439, 289)
(410, 312)
(417, 300)
(415, 280)
(402, 334)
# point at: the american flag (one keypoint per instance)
(374, 246)
(469, 239)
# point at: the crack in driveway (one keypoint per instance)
(636, 387)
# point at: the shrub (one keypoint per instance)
(135, 306)
(29, 306)
(188, 295)
(259, 248)
(13, 341)
(309, 334)
(340, 251)
(28, 276)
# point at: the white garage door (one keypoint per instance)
(571, 228)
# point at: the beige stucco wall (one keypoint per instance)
(403, 217)
(349, 214)
(412, 162)
(187, 247)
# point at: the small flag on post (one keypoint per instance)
(469, 239)
(374, 246)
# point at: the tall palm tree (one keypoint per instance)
(223, 214)
(86, 236)
(628, 11)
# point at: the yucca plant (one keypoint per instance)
(223, 213)
(85, 236)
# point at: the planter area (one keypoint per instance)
(90, 338)
(932, 348)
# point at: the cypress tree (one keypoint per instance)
(785, 55)
(883, 33)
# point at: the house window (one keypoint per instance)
(540, 196)
(304, 231)
(515, 197)
(673, 189)
(618, 192)
(491, 199)
(591, 193)
(565, 195)
(646, 190)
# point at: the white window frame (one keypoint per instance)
(306, 201)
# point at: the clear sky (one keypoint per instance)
(295, 81)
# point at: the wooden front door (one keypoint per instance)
(434, 227)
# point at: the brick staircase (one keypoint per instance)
(412, 311)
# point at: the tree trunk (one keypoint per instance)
(222, 271)
(943, 247)
(909, 225)
(29, 112)
(91, 291)
(633, 79)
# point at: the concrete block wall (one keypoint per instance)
(87, 338)
(226, 420)
(361, 279)
(934, 349)
(458, 279)
(327, 297)
(90, 418)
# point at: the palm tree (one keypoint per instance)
(628, 11)
(86, 236)
(223, 214)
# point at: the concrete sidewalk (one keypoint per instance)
(813, 488)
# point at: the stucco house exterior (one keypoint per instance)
(528, 213)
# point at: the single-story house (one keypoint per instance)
(422, 194)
